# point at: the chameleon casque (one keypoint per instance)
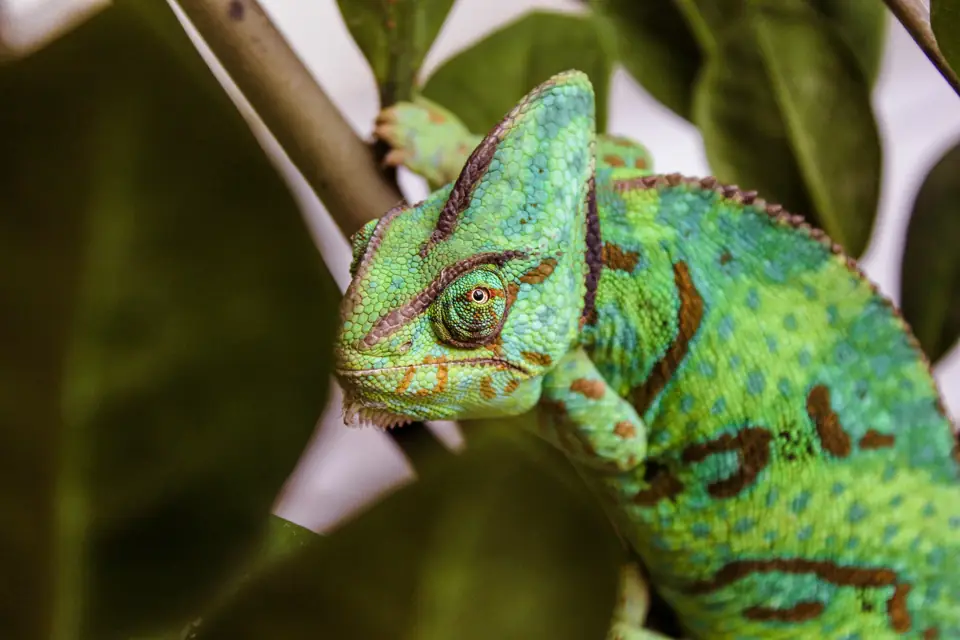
(759, 415)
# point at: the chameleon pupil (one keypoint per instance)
(479, 295)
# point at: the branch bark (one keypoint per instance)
(914, 15)
(334, 160)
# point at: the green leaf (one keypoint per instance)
(489, 544)
(166, 327)
(784, 109)
(656, 46)
(862, 23)
(394, 36)
(945, 21)
(930, 272)
(480, 85)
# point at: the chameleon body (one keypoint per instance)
(759, 416)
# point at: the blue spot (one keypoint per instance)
(725, 328)
(837, 488)
(954, 522)
(936, 557)
(857, 513)
(771, 344)
(686, 403)
(699, 557)
(783, 385)
(790, 322)
(753, 299)
(659, 542)
(799, 503)
(805, 533)
(906, 385)
(832, 314)
(881, 365)
(809, 292)
(896, 501)
(755, 383)
(889, 473)
(771, 536)
(700, 529)
(844, 353)
(853, 542)
(735, 361)
(691, 426)
(706, 369)
(804, 357)
(831, 540)
(929, 510)
(933, 591)
(743, 525)
(718, 407)
(852, 636)
(890, 532)
(916, 544)
(772, 496)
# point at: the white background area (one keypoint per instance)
(343, 469)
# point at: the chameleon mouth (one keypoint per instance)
(358, 415)
(480, 362)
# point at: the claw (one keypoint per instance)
(395, 158)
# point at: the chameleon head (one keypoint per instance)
(460, 305)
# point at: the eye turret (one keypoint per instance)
(470, 311)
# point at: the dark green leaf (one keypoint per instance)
(862, 23)
(394, 36)
(480, 85)
(784, 108)
(930, 273)
(945, 20)
(656, 46)
(166, 321)
(486, 545)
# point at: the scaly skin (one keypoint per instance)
(760, 417)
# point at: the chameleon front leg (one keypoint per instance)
(597, 428)
(425, 138)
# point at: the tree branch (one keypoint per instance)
(336, 163)
(914, 15)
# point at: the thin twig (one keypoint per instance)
(334, 160)
(914, 15)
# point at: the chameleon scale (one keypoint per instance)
(763, 423)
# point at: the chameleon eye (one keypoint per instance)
(470, 311)
(479, 295)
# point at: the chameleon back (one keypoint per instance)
(799, 455)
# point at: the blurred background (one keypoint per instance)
(344, 469)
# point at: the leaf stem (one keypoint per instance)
(914, 15)
(336, 163)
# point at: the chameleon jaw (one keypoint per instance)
(357, 414)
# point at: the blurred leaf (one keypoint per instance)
(862, 23)
(656, 46)
(166, 328)
(480, 85)
(930, 272)
(394, 36)
(784, 109)
(945, 21)
(487, 544)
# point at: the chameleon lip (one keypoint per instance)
(480, 362)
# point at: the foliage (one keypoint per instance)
(168, 322)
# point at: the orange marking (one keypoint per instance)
(407, 379)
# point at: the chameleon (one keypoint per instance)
(759, 418)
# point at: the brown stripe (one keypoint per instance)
(689, 316)
(592, 389)
(663, 485)
(539, 273)
(800, 612)
(834, 439)
(897, 609)
(539, 359)
(398, 318)
(593, 252)
(831, 572)
(614, 257)
(873, 439)
(752, 445)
